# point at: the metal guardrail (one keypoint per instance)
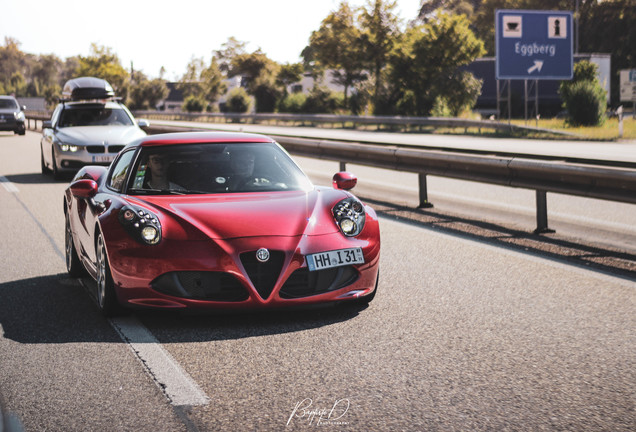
(397, 121)
(586, 180)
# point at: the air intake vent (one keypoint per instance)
(303, 283)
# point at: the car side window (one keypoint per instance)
(120, 170)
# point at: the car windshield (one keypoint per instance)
(216, 168)
(8, 104)
(97, 115)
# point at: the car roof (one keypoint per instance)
(84, 104)
(7, 97)
(200, 138)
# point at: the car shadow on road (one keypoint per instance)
(37, 178)
(553, 246)
(51, 309)
(56, 309)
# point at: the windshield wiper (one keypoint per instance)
(157, 191)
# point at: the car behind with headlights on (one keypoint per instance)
(218, 221)
(12, 115)
(88, 127)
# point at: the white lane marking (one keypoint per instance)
(8, 185)
(177, 385)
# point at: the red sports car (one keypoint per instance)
(217, 220)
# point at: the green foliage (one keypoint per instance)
(583, 96)
(193, 103)
(145, 94)
(289, 74)
(323, 101)
(292, 103)
(337, 45)
(380, 31)
(238, 101)
(586, 104)
(585, 89)
(424, 67)
(104, 63)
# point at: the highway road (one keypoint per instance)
(466, 333)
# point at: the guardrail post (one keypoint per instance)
(424, 203)
(542, 214)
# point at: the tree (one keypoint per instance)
(289, 74)
(13, 68)
(259, 75)
(229, 50)
(203, 82)
(337, 45)
(425, 66)
(380, 30)
(104, 63)
(145, 94)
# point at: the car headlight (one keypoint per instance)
(69, 148)
(350, 216)
(141, 224)
(19, 116)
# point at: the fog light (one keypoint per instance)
(347, 226)
(149, 234)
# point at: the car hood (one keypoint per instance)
(87, 135)
(291, 213)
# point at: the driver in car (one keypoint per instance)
(157, 175)
(242, 166)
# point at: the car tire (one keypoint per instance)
(74, 266)
(45, 169)
(57, 175)
(106, 296)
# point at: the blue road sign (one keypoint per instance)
(533, 45)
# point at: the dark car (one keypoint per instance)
(88, 127)
(218, 221)
(12, 115)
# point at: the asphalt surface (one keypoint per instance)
(464, 334)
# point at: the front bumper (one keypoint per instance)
(10, 124)
(85, 155)
(226, 274)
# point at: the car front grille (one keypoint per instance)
(201, 285)
(305, 283)
(263, 274)
(97, 149)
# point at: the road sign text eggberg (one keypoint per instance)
(533, 45)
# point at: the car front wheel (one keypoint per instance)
(73, 264)
(106, 297)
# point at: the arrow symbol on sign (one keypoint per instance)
(538, 64)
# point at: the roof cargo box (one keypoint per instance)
(87, 88)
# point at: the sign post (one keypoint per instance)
(533, 45)
(628, 87)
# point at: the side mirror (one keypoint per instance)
(344, 180)
(143, 123)
(46, 124)
(84, 189)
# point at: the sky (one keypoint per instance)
(152, 34)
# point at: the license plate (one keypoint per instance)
(103, 158)
(3, 120)
(336, 258)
